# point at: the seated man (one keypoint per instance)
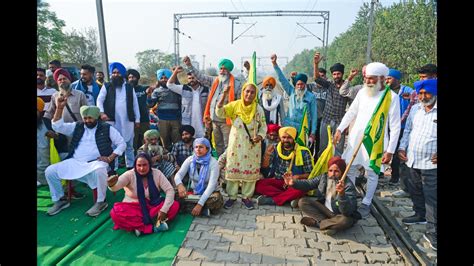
(203, 171)
(272, 138)
(335, 206)
(159, 155)
(90, 154)
(184, 148)
(289, 159)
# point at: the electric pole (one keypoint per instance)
(103, 43)
(371, 22)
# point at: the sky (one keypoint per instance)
(137, 25)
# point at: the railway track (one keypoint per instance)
(401, 240)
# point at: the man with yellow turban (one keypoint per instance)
(90, 156)
(220, 126)
(289, 159)
(271, 101)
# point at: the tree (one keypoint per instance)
(82, 47)
(50, 38)
(149, 61)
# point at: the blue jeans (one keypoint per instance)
(423, 188)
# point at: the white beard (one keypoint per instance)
(267, 95)
(299, 95)
(372, 89)
(430, 102)
(331, 187)
(223, 78)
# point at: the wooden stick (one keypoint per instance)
(352, 160)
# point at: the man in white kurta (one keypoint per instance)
(86, 164)
(121, 119)
(360, 112)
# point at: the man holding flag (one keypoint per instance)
(376, 111)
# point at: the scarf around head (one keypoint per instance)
(298, 150)
(239, 109)
(204, 162)
(155, 198)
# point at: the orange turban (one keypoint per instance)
(39, 104)
(269, 80)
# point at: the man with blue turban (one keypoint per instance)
(403, 92)
(220, 126)
(300, 98)
(418, 149)
(118, 105)
(169, 108)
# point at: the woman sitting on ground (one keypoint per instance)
(142, 201)
(203, 171)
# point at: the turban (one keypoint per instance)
(92, 111)
(376, 69)
(119, 67)
(288, 130)
(269, 80)
(337, 67)
(187, 128)
(133, 72)
(151, 133)
(301, 77)
(272, 128)
(61, 71)
(394, 73)
(39, 104)
(430, 85)
(163, 71)
(226, 63)
(339, 162)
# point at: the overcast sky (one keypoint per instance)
(135, 26)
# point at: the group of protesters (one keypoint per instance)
(199, 136)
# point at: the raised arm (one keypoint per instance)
(316, 59)
(171, 84)
(289, 89)
(204, 79)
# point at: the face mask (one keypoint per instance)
(39, 81)
(49, 73)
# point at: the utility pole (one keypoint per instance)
(103, 43)
(369, 40)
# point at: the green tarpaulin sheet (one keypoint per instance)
(72, 237)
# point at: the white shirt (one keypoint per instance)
(79, 165)
(361, 110)
(121, 123)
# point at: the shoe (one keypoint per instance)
(414, 219)
(58, 206)
(97, 208)
(228, 204)
(248, 203)
(137, 232)
(161, 228)
(264, 200)
(431, 240)
(206, 212)
(329, 232)
(400, 194)
(308, 221)
(364, 210)
(294, 203)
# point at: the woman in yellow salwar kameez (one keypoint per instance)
(244, 148)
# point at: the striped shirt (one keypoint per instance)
(420, 137)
